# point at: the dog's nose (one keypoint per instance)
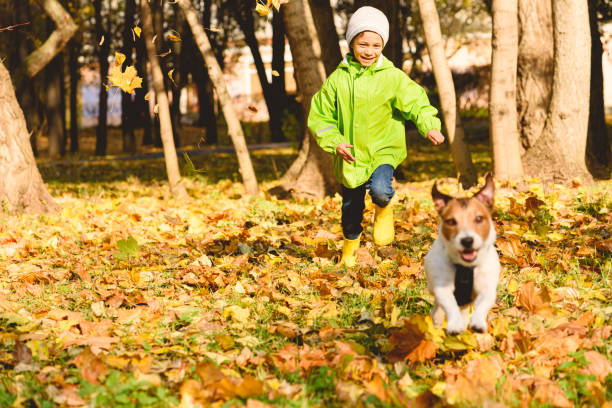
(467, 242)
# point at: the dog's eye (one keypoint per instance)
(479, 219)
(450, 221)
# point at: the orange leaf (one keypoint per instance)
(92, 368)
(532, 299)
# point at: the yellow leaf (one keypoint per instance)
(137, 31)
(262, 9)
(174, 37)
(512, 286)
(170, 76)
(127, 81)
(275, 73)
(237, 313)
(556, 236)
(147, 96)
(119, 58)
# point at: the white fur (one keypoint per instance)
(440, 271)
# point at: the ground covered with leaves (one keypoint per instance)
(129, 298)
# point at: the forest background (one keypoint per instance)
(183, 249)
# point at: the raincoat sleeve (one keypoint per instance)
(323, 118)
(411, 100)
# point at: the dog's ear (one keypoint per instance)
(440, 199)
(487, 192)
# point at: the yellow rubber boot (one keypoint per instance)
(383, 225)
(348, 252)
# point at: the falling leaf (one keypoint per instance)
(137, 31)
(253, 109)
(101, 41)
(174, 37)
(128, 80)
(275, 73)
(262, 9)
(147, 96)
(170, 73)
(119, 58)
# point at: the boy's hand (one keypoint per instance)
(435, 136)
(343, 151)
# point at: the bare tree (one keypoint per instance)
(311, 174)
(161, 97)
(216, 76)
(505, 144)
(446, 90)
(21, 187)
(559, 153)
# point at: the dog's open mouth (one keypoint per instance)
(468, 255)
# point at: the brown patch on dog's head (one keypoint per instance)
(462, 214)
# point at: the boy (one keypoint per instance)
(358, 116)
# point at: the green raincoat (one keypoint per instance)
(366, 107)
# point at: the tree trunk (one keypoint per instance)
(206, 92)
(311, 174)
(157, 17)
(391, 8)
(323, 17)
(446, 89)
(103, 51)
(53, 108)
(127, 105)
(503, 127)
(26, 92)
(598, 144)
(179, 80)
(21, 187)
(73, 63)
(216, 75)
(277, 87)
(535, 68)
(559, 153)
(144, 113)
(243, 13)
(177, 188)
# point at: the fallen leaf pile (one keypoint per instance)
(129, 298)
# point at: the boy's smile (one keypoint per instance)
(367, 47)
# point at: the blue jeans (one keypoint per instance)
(353, 199)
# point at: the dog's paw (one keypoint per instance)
(478, 325)
(455, 326)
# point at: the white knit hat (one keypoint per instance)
(367, 19)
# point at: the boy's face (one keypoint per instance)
(367, 47)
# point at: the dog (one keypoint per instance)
(462, 266)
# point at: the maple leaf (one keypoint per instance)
(127, 80)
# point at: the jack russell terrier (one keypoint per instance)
(462, 266)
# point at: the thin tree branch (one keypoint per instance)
(10, 28)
